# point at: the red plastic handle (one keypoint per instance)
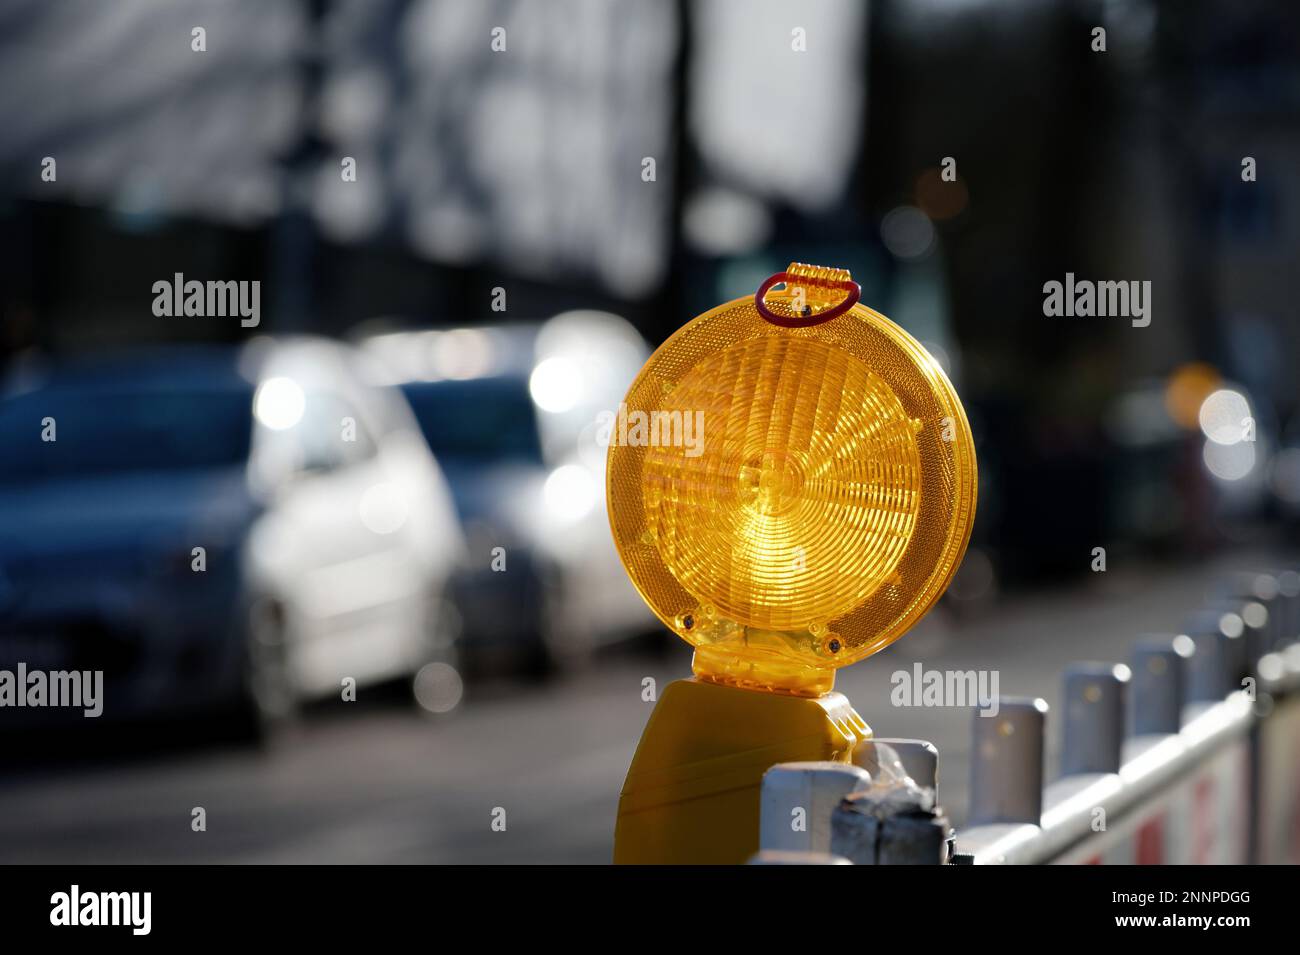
(852, 289)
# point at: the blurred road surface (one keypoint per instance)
(379, 782)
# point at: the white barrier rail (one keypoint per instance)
(1189, 756)
(1086, 816)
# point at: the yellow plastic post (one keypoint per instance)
(692, 792)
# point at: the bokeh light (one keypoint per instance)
(1225, 417)
(279, 403)
(1186, 391)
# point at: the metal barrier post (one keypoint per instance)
(1288, 630)
(1262, 589)
(796, 802)
(1219, 657)
(1157, 687)
(1094, 718)
(1007, 763)
(1256, 633)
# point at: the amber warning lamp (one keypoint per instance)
(820, 508)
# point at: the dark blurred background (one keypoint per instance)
(524, 169)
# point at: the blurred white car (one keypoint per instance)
(361, 537)
(512, 413)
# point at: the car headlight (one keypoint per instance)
(569, 494)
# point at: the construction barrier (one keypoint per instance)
(1277, 758)
(1189, 754)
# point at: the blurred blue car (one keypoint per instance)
(219, 529)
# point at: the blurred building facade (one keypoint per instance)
(653, 159)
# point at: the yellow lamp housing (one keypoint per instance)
(823, 502)
(791, 486)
